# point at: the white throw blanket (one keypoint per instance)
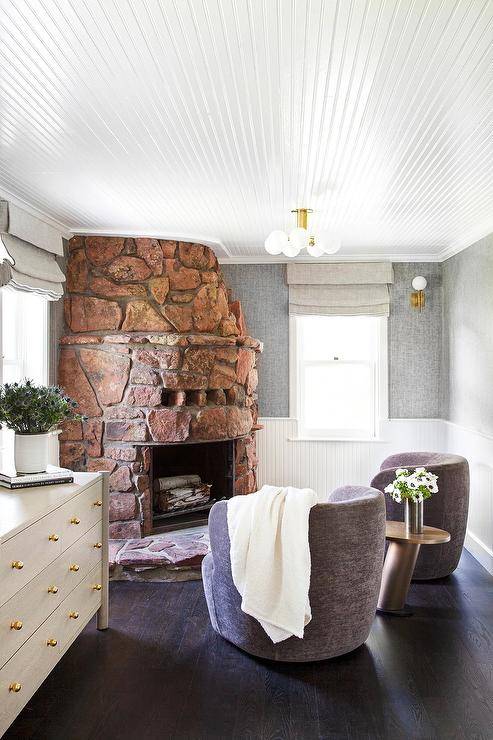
(270, 557)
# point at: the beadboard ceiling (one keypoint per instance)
(211, 119)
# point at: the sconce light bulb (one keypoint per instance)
(419, 282)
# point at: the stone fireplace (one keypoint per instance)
(158, 357)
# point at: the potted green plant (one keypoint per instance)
(33, 412)
(412, 488)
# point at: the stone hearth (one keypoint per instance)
(155, 353)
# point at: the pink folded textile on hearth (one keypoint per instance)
(270, 557)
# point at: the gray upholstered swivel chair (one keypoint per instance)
(347, 536)
(446, 509)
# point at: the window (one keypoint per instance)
(339, 388)
(24, 337)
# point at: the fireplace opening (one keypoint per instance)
(187, 479)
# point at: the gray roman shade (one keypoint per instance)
(340, 289)
(28, 249)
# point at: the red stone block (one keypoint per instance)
(246, 361)
(179, 316)
(212, 339)
(144, 376)
(121, 480)
(252, 381)
(102, 249)
(77, 272)
(227, 327)
(107, 372)
(199, 360)
(124, 530)
(176, 398)
(245, 484)
(142, 483)
(126, 454)
(182, 297)
(184, 381)
(159, 287)
(164, 359)
(239, 421)
(197, 398)
(105, 287)
(84, 313)
(237, 311)
(123, 412)
(72, 379)
(80, 339)
(181, 278)
(227, 354)
(75, 242)
(126, 431)
(126, 269)
(210, 277)
(169, 425)
(146, 459)
(222, 376)
(193, 255)
(144, 395)
(210, 423)
(72, 455)
(71, 431)
(236, 395)
(93, 434)
(150, 251)
(141, 316)
(168, 248)
(216, 397)
(96, 465)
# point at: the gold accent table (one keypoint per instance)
(399, 564)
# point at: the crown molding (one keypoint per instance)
(216, 244)
(473, 237)
(62, 228)
(338, 257)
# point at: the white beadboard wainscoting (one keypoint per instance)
(326, 464)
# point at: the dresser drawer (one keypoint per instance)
(27, 553)
(27, 669)
(79, 605)
(80, 514)
(27, 609)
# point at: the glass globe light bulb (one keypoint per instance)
(314, 250)
(291, 250)
(419, 282)
(275, 242)
(298, 237)
(329, 243)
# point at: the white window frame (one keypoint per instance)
(380, 385)
(46, 342)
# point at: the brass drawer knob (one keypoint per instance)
(52, 642)
(16, 625)
(75, 520)
(98, 545)
(52, 589)
(74, 615)
(97, 587)
(53, 538)
(17, 564)
(15, 687)
(74, 567)
(98, 503)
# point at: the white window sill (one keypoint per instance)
(378, 440)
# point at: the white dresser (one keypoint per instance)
(53, 578)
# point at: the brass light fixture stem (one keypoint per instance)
(302, 216)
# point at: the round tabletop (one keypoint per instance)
(396, 532)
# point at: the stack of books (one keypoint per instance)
(11, 479)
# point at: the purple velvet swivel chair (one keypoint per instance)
(347, 536)
(446, 509)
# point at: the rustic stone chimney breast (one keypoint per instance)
(154, 353)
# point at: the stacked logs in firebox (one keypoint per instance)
(180, 492)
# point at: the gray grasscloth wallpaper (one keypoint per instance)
(468, 336)
(415, 340)
(263, 293)
(415, 345)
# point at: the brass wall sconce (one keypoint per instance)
(419, 284)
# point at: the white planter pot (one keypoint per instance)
(31, 452)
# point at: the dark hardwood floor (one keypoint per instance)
(161, 672)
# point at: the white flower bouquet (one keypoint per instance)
(414, 486)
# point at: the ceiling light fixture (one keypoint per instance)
(323, 242)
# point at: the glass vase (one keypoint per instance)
(413, 516)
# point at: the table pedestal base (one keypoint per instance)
(396, 577)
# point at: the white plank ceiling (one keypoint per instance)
(211, 119)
